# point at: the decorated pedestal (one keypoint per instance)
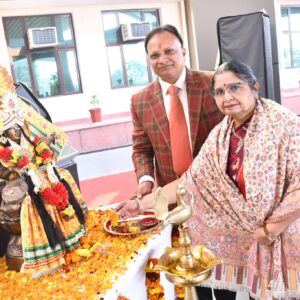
(14, 253)
(10, 207)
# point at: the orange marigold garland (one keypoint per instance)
(155, 290)
(179, 290)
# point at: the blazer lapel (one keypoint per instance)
(158, 109)
(194, 103)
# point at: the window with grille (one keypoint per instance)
(47, 71)
(290, 25)
(128, 62)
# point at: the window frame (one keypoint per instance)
(26, 52)
(120, 44)
(289, 33)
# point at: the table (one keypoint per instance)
(132, 283)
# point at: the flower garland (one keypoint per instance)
(155, 290)
(56, 194)
(43, 150)
(14, 157)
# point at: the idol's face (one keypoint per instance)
(14, 133)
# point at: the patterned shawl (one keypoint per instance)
(224, 220)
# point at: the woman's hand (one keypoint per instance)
(128, 209)
(260, 236)
(273, 230)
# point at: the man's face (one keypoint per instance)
(166, 55)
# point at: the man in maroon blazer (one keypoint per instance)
(150, 109)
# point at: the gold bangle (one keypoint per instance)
(140, 205)
(270, 236)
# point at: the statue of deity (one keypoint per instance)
(42, 211)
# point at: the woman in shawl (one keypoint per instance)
(246, 184)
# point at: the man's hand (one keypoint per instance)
(144, 189)
(128, 209)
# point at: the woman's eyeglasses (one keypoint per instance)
(232, 88)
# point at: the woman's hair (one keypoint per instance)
(166, 28)
(241, 70)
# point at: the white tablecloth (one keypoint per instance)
(132, 283)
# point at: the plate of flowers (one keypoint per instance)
(132, 226)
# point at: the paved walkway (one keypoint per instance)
(106, 176)
(104, 163)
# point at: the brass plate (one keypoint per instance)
(147, 224)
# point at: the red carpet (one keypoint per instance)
(108, 189)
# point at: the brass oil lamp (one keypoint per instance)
(186, 265)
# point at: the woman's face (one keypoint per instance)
(234, 97)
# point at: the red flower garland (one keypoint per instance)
(5, 153)
(45, 152)
(60, 189)
(57, 196)
(23, 162)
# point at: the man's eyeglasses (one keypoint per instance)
(233, 88)
(167, 52)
